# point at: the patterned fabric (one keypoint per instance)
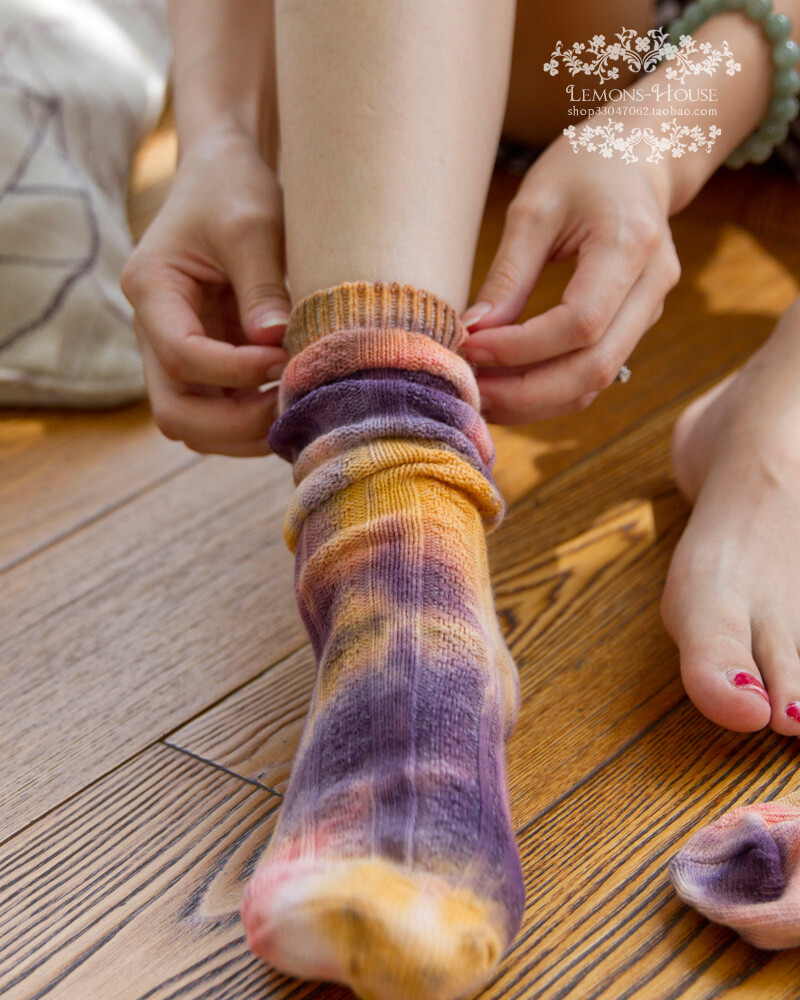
(744, 871)
(394, 867)
(80, 84)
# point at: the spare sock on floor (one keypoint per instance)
(743, 871)
(394, 867)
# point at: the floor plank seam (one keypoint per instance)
(230, 693)
(100, 514)
(76, 794)
(159, 742)
(221, 767)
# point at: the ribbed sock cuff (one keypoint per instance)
(374, 387)
(362, 326)
(358, 305)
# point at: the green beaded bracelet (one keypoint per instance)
(784, 105)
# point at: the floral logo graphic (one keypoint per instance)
(690, 67)
(642, 53)
(607, 139)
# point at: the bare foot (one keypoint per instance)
(732, 598)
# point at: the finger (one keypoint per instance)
(253, 262)
(167, 319)
(604, 276)
(254, 449)
(223, 421)
(223, 425)
(525, 245)
(565, 384)
(567, 409)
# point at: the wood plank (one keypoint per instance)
(255, 731)
(132, 889)
(763, 199)
(601, 919)
(130, 627)
(60, 469)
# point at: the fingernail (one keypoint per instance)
(475, 312)
(747, 682)
(793, 710)
(268, 320)
(275, 371)
(479, 354)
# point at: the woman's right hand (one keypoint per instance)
(210, 302)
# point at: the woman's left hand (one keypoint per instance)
(613, 216)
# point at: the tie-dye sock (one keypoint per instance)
(394, 867)
(744, 871)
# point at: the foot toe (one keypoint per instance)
(726, 686)
(717, 665)
(776, 654)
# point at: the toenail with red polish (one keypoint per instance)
(793, 710)
(747, 682)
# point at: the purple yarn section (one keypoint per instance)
(752, 869)
(450, 816)
(428, 379)
(364, 409)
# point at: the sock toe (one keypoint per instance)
(387, 932)
(742, 871)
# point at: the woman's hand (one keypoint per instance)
(613, 216)
(210, 301)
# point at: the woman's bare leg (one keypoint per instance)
(390, 118)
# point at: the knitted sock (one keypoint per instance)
(744, 871)
(393, 867)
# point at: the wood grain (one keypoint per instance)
(255, 732)
(61, 470)
(141, 620)
(762, 199)
(601, 917)
(132, 889)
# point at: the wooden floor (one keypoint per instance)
(155, 672)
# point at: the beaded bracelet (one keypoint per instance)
(784, 106)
